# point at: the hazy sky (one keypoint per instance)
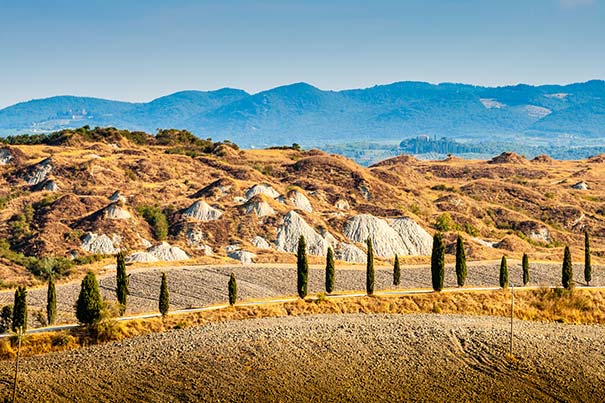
(140, 49)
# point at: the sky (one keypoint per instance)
(138, 50)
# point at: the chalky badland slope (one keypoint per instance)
(83, 192)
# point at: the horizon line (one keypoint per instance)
(302, 82)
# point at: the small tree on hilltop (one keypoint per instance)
(51, 301)
(525, 265)
(121, 282)
(302, 268)
(90, 303)
(330, 271)
(438, 262)
(567, 272)
(20, 309)
(396, 272)
(164, 301)
(370, 268)
(503, 273)
(232, 289)
(587, 264)
(460, 262)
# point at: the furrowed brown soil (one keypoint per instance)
(329, 358)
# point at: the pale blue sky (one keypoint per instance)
(137, 50)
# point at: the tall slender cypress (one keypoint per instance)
(20, 309)
(587, 264)
(232, 289)
(164, 301)
(438, 262)
(302, 268)
(525, 265)
(121, 282)
(330, 271)
(51, 301)
(370, 268)
(460, 262)
(567, 269)
(503, 273)
(89, 303)
(396, 272)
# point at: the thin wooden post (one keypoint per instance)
(512, 311)
(19, 336)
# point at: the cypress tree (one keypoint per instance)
(438, 262)
(302, 268)
(330, 271)
(232, 289)
(525, 265)
(587, 264)
(370, 268)
(503, 273)
(567, 272)
(164, 302)
(460, 262)
(51, 301)
(121, 282)
(89, 304)
(20, 309)
(396, 272)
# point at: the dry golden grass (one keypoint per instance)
(548, 305)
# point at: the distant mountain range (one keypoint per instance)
(307, 115)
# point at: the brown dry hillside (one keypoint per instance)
(53, 194)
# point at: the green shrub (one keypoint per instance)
(156, 219)
(445, 223)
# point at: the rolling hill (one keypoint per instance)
(88, 193)
(301, 113)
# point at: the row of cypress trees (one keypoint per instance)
(437, 266)
(90, 304)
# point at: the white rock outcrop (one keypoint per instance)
(39, 172)
(117, 197)
(350, 253)
(99, 244)
(292, 228)
(141, 257)
(300, 201)
(581, 186)
(403, 238)
(202, 211)
(195, 239)
(342, 204)
(116, 212)
(50, 186)
(168, 253)
(5, 156)
(259, 207)
(243, 256)
(417, 241)
(260, 242)
(262, 188)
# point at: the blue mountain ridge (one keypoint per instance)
(307, 115)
